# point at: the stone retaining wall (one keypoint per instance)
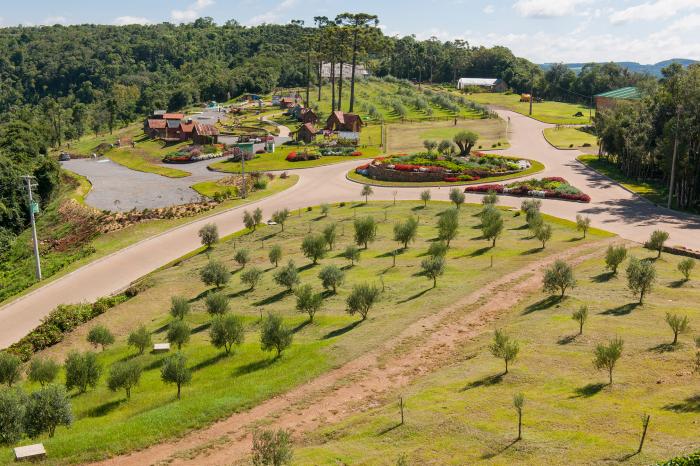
(378, 172)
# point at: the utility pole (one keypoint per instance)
(679, 109)
(33, 208)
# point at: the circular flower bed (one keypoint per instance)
(549, 188)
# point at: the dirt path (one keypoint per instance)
(424, 346)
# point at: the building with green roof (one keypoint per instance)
(611, 98)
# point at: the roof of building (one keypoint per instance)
(187, 127)
(287, 100)
(309, 127)
(174, 124)
(204, 129)
(156, 124)
(479, 81)
(159, 112)
(622, 93)
(174, 116)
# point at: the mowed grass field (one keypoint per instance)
(147, 156)
(563, 137)
(106, 424)
(409, 137)
(464, 413)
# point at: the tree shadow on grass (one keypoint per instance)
(689, 405)
(521, 227)
(480, 251)
(203, 294)
(386, 430)
(209, 362)
(155, 364)
(484, 382)
(678, 283)
(589, 390)
(162, 329)
(273, 299)
(663, 348)
(201, 328)
(418, 207)
(492, 454)
(254, 366)
(398, 251)
(342, 330)
(238, 294)
(621, 310)
(104, 408)
(532, 251)
(565, 340)
(603, 277)
(415, 296)
(301, 326)
(308, 266)
(542, 304)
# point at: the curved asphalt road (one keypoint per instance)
(612, 208)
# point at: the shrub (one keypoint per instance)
(308, 302)
(215, 273)
(641, 276)
(274, 335)
(352, 253)
(179, 307)
(606, 356)
(275, 254)
(47, 409)
(226, 331)
(448, 226)
(365, 231)
(272, 448)
(100, 336)
(251, 277)
(656, 241)
(504, 347)
(433, 267)
(216, 303)
(331, 277)
(361, 299)
(685, 267)
(242, 257)
(43, 370)
(329, 234)
(314, 247)
(558, 277)
(614, 256)
(124, 375)
(10, 370)
(174, 370)
(82, 370)
(287, 276)
(209, 234)
(140, 339)
(406, 232)
(178, 333)
(13, 408)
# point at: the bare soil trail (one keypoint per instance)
(426, 345)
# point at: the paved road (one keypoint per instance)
(612, 208)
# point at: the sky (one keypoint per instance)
(544, 31)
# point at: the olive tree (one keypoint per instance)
(679, 324)
(352, 253)
(280, 217)
(544, 234)
(448, 225)
(437, 249)
(287, 276)
(329, 234)
(215, 273)
(13, 409)
(445, 147)
(174, 370)
(226, 331)
(365, 231)
(272, 448)
(491, 225)
(465, 140)
(275, 255)
(425, 197)
(583, 224)
(249, 221)
(430, 145)
(314, 247)
(518, 404)
(43, 370)
(325, 208)
(641, 276)
(366, 192)
(457, 197)
(331, 277)
(531, 208)
(178, 333)
(361, 299)
(308, 302)
(257, 216)
(558, 278)
(656, 241)
(242, 257)
(605, 356)
(82, 370)
(504, 347)
(580, 316)
(47, 409)
(433, 267)
(251, 277)
(140, 339)
(490, 199)
(274, 335)
(209, 234)
(406, 232)
(685, 267)
(10, 368)
(124, 375)
(614, 256)
(100, 335)
(179, 307)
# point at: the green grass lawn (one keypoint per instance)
(107, 424)
(535, 167)
(210, 188)
(652, 190)
(463, 414)
(549, 112)
(409, 137)
(147, 156)
(563, 137)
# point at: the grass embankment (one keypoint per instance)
(409, 137)
(558, 113)
(563, 137)
(18, 268)
(147, 157)
(465, 413)
(210, 188)
(535, 167)
(652, 190)
(107, 424)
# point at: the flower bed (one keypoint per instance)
(546, 188)
(302, 156)
(195, 153)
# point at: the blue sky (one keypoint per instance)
(540, 30)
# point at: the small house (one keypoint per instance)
(308, 116)
(186, 130)
(295, 111)
(341, 121)
(306, 133)
(611, 98)
(155, 128)
(286, 102)
(486, 84)
(203, 133)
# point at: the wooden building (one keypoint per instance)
(341, 121)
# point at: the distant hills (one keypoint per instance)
(654, 70)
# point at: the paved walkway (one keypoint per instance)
(612, 208)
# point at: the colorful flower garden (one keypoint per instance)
(196, 153)
(317, 153)
(546, 188)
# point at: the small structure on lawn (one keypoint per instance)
(306, 133)
(30, 452)
(205, 134)
(487, 84)
(161, 347)
(611, 98)
(341, 121)
(286, 102)
(308, 116)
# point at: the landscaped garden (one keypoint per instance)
(545, 188)
(251, 274)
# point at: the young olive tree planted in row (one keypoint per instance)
(433, 267)
(226, 331)
(329, 234)
(216, 303)
(583, 224)
(361, 299)
(280, 217)
(614, 256)
(580, 316)
(448, 226)
(504, 347)
(314, 247)
(140, 339)
(10, 368)
(406, 232)
(308, 302)
(641, 276)
(607, 355)
(274, 335)
(491, 224)
(352, 253)
(366, 192)
(179, 307)
(175, 371)
(425, 197)
(457, 197)
(331, 277)
(365, 231)
(679, 324)
(178, 333)
(99, 335)
(209, 235)
(287, 276)
(656, 242)
(251, 277)
(215, 273)
(275, 255)
(124, 375)
(558, 277)
(82, 370)
(242, 257)
(43, 371)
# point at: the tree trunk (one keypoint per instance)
(506, 366)
(332, 86)
(520, 424)
(610, 371)
(178, 390)
(340, 88)
(352, 77)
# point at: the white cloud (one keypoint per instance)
(547, 8)
(273, 15)
(489, 9)
(124, 20)
(191, 13)
(653, 10)
(51, 20)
